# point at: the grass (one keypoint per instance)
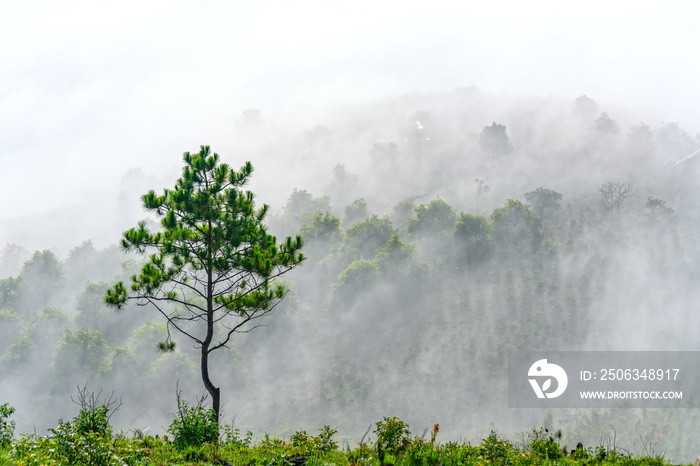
(67, 447)
(196, 440)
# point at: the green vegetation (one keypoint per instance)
(371, 270)
(7, 427)
(193, 426)
(213, 261)
(448, 246)
(88, 440)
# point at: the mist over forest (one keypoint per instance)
(442, 230)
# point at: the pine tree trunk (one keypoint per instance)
(213, 391)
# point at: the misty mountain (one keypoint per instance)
(443, 230)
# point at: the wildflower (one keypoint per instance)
(434, 433)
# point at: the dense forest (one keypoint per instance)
(442, 231)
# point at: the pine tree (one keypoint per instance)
(212, 270)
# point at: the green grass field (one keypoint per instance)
(84, 442)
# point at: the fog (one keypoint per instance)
(90, 91)
(353, 109)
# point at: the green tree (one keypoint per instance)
(399, 262)
(494, 141)
(355, 212)
(343, 186)
(30, 340)
(605, 125)
(585, 108)
(402, 213)
(79, 351)
(434, 218)
(8, 293)
(656, 208)
(368, 236)
(93, 313)
(323, 234)
(640, 137)
(673, 140)
(80, 262)
(473, 238)
(39, 280)
(360, 276)
(212, 273)
(481, 188)
(47, 326)
(516, 227)
(18, 353)
(302, 207)
(121, 361)
(544, 202)
(10, 326)
(11, 259)
(144, 342)
(7, 427)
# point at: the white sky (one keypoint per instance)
(91, 88)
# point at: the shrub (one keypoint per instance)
(233, 437)
(86, 440)
(95, 420)
(7, 427)
(302, 443)
(423, 453)
(547, 449)
(87, 447)
(393, 436)
(495, 449)
(323, 443)
(193, 426)
(94, 414)
(67, 445)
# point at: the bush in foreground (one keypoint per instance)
(71, 443)
(7, 427)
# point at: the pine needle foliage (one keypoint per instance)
(212, 265)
